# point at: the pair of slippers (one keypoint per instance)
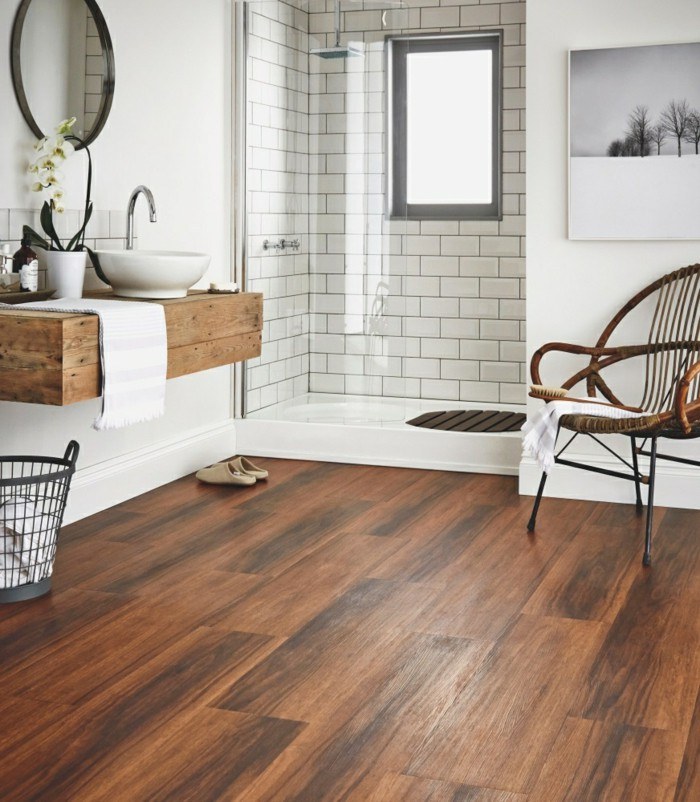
(237, 471)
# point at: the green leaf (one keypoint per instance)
(96, 264)
(47, 225)
(38, 240)
(72, 244)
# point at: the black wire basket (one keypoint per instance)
(33, 495)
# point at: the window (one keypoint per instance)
(444, 137)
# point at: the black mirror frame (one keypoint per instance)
(107, 83)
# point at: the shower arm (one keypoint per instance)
(336, 21)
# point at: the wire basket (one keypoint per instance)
(33, 494)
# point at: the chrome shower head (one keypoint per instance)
(337, 51)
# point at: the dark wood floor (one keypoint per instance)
(357, 633)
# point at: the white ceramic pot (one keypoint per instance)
(66, 273)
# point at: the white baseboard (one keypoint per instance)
(676, 485)
(394, 447)
(105, 484)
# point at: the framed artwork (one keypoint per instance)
(634, 142)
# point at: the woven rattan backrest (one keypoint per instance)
(674, 335)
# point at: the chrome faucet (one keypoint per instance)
(130, 212)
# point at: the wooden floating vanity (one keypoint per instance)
(53, 357)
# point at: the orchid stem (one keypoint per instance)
(89, 180)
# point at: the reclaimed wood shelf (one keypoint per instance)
(53, 357)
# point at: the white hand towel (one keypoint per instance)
(12, 574)
(35, 532)
(540, 433)
(134, 355)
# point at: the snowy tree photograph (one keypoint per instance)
(634, 143)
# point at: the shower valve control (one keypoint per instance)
(281, 244)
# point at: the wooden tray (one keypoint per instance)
(25, 297)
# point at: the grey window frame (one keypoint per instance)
(397, 49)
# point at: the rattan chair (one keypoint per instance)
(671, 398)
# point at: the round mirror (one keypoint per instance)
(63, 65)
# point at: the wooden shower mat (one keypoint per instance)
(470, 420)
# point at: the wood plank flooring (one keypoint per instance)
(357, 633)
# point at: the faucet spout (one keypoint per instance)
(141, 189)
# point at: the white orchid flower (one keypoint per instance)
(50, 143)
(51, 178)
(50, 153)
(62, 149)
(48, 163)
(65, 126)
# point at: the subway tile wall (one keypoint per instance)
(431, 309)
(278, 197)
(105, 231)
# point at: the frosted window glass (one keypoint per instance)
(449, 127)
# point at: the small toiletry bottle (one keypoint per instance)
(5, 259)
(6, 278)
(25, 263)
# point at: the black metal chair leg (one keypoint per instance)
(533, 517)
(637, 483)
(650, 504)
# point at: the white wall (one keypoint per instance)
(169, 129)
(574, 288)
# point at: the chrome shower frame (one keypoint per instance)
(240, 224)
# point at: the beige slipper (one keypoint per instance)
(244, 465)
(223, 473)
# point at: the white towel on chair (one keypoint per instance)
(133, 352)
(540, 433)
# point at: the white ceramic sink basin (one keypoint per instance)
(152, 274)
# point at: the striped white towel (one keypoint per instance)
(33, 531)
(540, 433)
(134, 356)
